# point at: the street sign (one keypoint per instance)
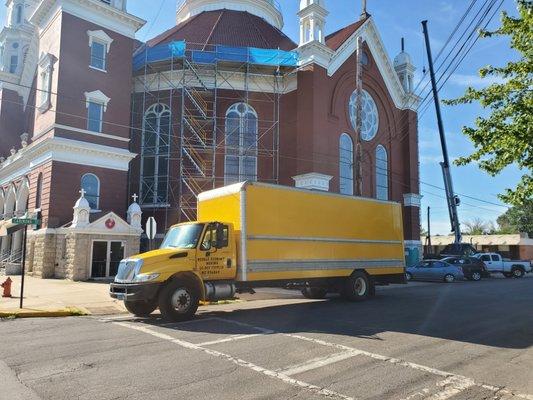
(151, 228)
(26, 221)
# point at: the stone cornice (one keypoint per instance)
(315, 53)
(94, 11)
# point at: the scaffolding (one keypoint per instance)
(184, 154)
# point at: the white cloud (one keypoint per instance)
(474, 80)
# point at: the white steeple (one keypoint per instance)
(312, 15)
(405, 69)
(135, 213)
(82, 211)
(269, 10)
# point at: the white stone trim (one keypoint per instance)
(101, 37)
(412, 200)
(67, 151)
(315, 53)
(86, 132)
(262, 8)
(94, 11)
(96, 96)
(46, 68)
(313, 181)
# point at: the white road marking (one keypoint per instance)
(392, 360)
(451, 386)
(317, 363)
(232, 338)
(273, 374)
(422, 393)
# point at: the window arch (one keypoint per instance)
(240, 163)
(382, 173)
(346, 161)
(370, 115)
(39, 191)
(91, 185)
(155, 154)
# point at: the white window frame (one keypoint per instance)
(46, 66)
(104, 39)
(157, 155)
(97, 209)
(382, 173)
(368, 104)
(242, 153)
(97, 97)
(344, 187)
(11, 56)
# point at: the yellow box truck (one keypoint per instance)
(251, 235)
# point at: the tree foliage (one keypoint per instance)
(505, 136)
(518, 219)
(477, 227)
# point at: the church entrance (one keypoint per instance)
(106, 257)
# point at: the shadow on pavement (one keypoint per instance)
(494, 313)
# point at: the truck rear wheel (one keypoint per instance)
(517, 272)
(357, 287)
(178, 301)
(140, 308)
(314, 292)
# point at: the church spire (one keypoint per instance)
(312, 15)
(364, 12)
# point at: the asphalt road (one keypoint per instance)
(426, 341)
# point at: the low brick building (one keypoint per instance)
(223, 96)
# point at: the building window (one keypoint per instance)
(96, 103)
(155, 154)
(13, 64)
(369, 112)
(91, 185)
(241, 144)
(45, 85)
(95, 115)
(19, 14)
(39, 192)
(99, 44)
(346, 161)
(382, 173)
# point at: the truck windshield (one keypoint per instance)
(183, 237)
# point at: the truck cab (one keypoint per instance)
(200, 255)
(510, 269)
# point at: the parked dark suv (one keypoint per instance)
(473, 268)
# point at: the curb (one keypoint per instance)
(30, 313)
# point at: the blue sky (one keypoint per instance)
(394, 20)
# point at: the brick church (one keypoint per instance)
(99, 131)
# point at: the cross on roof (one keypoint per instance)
(135, 197)
(82, 192)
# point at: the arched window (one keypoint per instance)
(91, 184)
(241, 144)
(155, 155)
(39, 192)
(346, 162)
(382, 173)
(370, 116)
(19, 11)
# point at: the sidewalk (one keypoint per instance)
(54, 295)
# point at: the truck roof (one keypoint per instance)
(238, 187)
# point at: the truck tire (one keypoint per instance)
(178, 301)
(357, 287)
(314, 293)
(140, 308)
(517, 272)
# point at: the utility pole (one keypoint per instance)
(453, 200)
(358, 118)
(429, 227)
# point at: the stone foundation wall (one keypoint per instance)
(41, 255)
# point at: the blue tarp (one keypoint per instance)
(251, 55)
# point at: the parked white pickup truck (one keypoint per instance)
(495, 263)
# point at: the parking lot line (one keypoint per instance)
(330, 394)
(317, 363)
(232, 338)
(392, 360)
(452, 386)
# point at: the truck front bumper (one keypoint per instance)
(133, 291)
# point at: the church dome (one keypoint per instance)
(226, 27)
(269, 10)
(402, 59)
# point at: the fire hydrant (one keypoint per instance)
(7, 288)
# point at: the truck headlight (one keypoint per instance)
(145, 277)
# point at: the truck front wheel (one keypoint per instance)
(140, 308)
(357, 287)
(178, 301)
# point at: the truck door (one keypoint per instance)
(216, 255)
(488, 262)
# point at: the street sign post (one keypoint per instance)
(25, 222)
(151, 230)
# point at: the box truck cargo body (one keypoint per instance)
(252, 235)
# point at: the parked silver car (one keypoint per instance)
(434, 270)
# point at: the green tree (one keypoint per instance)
(476, 227)
(505, 136)
(518, 219)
